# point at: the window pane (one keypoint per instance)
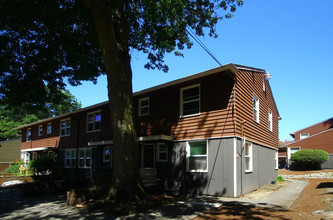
(107, 151)
(191, 94)
(68, 162)
(198, 163)
(68, 154)
(88, 153)
(81, 153)
(191, 108)
(88, 162)
(90, 118)
(97, 125)
(81, 162)
(73, 154)
(247, 163)
(98, 117)
(163, 156)
(198, 148)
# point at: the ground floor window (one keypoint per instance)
(162, 152)
(70, 158)
(248, 157)
(107, 154)
(197, 156)
(85, 158)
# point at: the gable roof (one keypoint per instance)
(232, 68)
(304, 139)
(330, 120)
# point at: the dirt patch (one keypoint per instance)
(314, 202)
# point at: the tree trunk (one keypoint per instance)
(111, 27)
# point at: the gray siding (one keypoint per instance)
(328, 164)
(219, 178)
(263, 168)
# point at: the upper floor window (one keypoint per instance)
(256, 108)
(197, 156)
(94, 121)
(304, 135)
(49, 128)
(270, 120)
(190, 100)
(28, 134)
(144, 106)
(40, 130)
(65, 127)
(248, 157)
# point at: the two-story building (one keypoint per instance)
(214, 133)
(318, 136)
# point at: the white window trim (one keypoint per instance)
(188, 157)
(276, 160)
(158, 152)
(270, 120)
(289, 151)
(27, 140)
(249, 156)
(300, 136)
(40, 132)
(67, 119)
(84, 157)
(47, 128)
(181, 101)
(140, 106)
(71, 158)
(104, 160)
(94, 113)
(257, 108)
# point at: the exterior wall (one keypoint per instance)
(215, 119)
(250, 83)
(9, 151)
(314, 129)
(263, 168)
(218, 181)
(328, 164)
(323, 141)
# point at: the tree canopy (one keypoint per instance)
(15, 116)
(48, 43)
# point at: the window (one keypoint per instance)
(304, 135)
(28, 134)
(144, 106)
(70, 158)
(85, 158)
(294, 150)
(35, 155)
(197, 157)
(94, 121)
(162, 152)
(65, 127)
(49, 128)
(106, 154)
(270, 120)
(190, 100)
(255, 109)
(276, 160)
(40, 130)
(248, 157)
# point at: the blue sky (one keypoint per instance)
(293, 40)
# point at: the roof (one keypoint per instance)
(328, 130)
(233, 68)
(293, 133)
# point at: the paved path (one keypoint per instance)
(55, 207)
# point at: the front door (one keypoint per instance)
(148, 156)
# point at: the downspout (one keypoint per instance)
(235, 139)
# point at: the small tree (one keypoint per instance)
(309, 158)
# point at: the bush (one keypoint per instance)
(280, 179)
(309, 158)
(14, 168)
(42, 165)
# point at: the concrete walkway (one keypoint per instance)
(55, 207)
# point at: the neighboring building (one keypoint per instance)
(318, 136)
(9, 152)
(213, 133)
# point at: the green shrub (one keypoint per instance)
(14, 168)
(42, 165)
(280, 179)
(309, 158)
